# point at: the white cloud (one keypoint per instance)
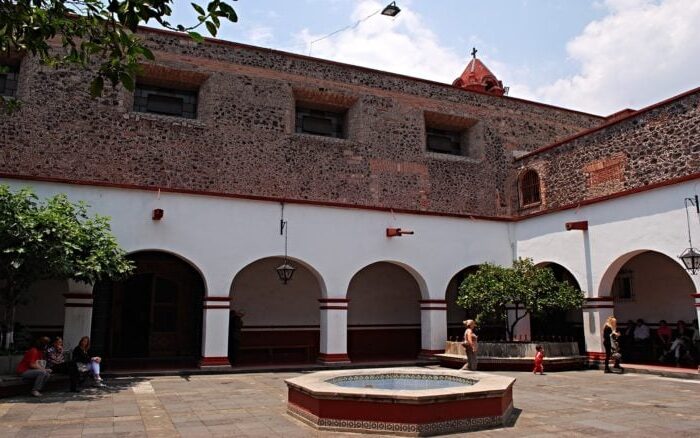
(401, 45)
(259, 35)
(642, 52)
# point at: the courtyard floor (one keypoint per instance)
(577, 403)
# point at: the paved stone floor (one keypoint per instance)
(582, 403)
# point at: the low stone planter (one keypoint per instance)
(515, 356)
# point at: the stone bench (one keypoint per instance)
(13, 385)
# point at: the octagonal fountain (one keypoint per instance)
(401, 401)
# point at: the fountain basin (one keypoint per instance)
(401, 401)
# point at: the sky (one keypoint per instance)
(597, 56)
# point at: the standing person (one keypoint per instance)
(609, 330)
(55, 361)
(32, 366)
(85, 361)
(539, 360)
(470, 344)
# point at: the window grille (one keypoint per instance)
(530, 188)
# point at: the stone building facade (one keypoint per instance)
(453, 163)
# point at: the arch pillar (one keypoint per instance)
(78, 313)
(334, 331)
(433, 323)
(595, 312)
(215, 322)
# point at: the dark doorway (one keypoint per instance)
(155, 314)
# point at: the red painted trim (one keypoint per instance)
(416, 325)
(695, 295)
(595, 355)
(433, 308)
(333, 357)
(609, 124)
(668, 182)
(433, 301)
(333, 300)
(77, 305)
(333, 307)
(217, 307)
(254, 197)
(578, 225)
(599, 306)
(364, 69)
(398, 412)
(214, 361)
(697, 304)
(217, 298)
(599, 299)
(84, 296)
(591, 201)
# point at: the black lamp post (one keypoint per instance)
(391, 10)
(285, 271)
(691, 256)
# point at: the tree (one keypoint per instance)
(525, 287)
(101, 29)
(54, 239)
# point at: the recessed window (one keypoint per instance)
(622, 289)
(8, 80)
(320, 122)
(166, 101)
(443, 141)
(530, 188)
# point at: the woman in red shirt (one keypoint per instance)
(32, 367)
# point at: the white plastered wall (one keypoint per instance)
(619, 229)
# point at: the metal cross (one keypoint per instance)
(474, 52)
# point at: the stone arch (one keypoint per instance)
(272, 322)
(559, 324)
(155, 314)
(455, 313)
(384, 320)
(650, 285)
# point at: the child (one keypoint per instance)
(539, 359)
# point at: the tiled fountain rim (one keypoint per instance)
(486, 386)
(417, 376)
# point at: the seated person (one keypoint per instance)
(642, 339)
(55, 361)
(664, 336)
(681, 342)
(86, 362)
(32, 366)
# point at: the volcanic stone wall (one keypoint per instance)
(243, 141)
(653, 146)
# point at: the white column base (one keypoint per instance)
(334, 331)
(215, 332)
(78, 313)
(433, 323)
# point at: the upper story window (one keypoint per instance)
(167, 101)
(451, 134)
(8, 80)
(443, 141)
(530, 188)
(320, 122)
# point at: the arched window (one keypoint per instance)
(530, 188)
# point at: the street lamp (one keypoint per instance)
(691, 256)
(391, 10)
(285, 271)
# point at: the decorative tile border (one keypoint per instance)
(401, 376)
(406, 429)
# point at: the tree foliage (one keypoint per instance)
(54, 239)
(102, 30)
(525, 287)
